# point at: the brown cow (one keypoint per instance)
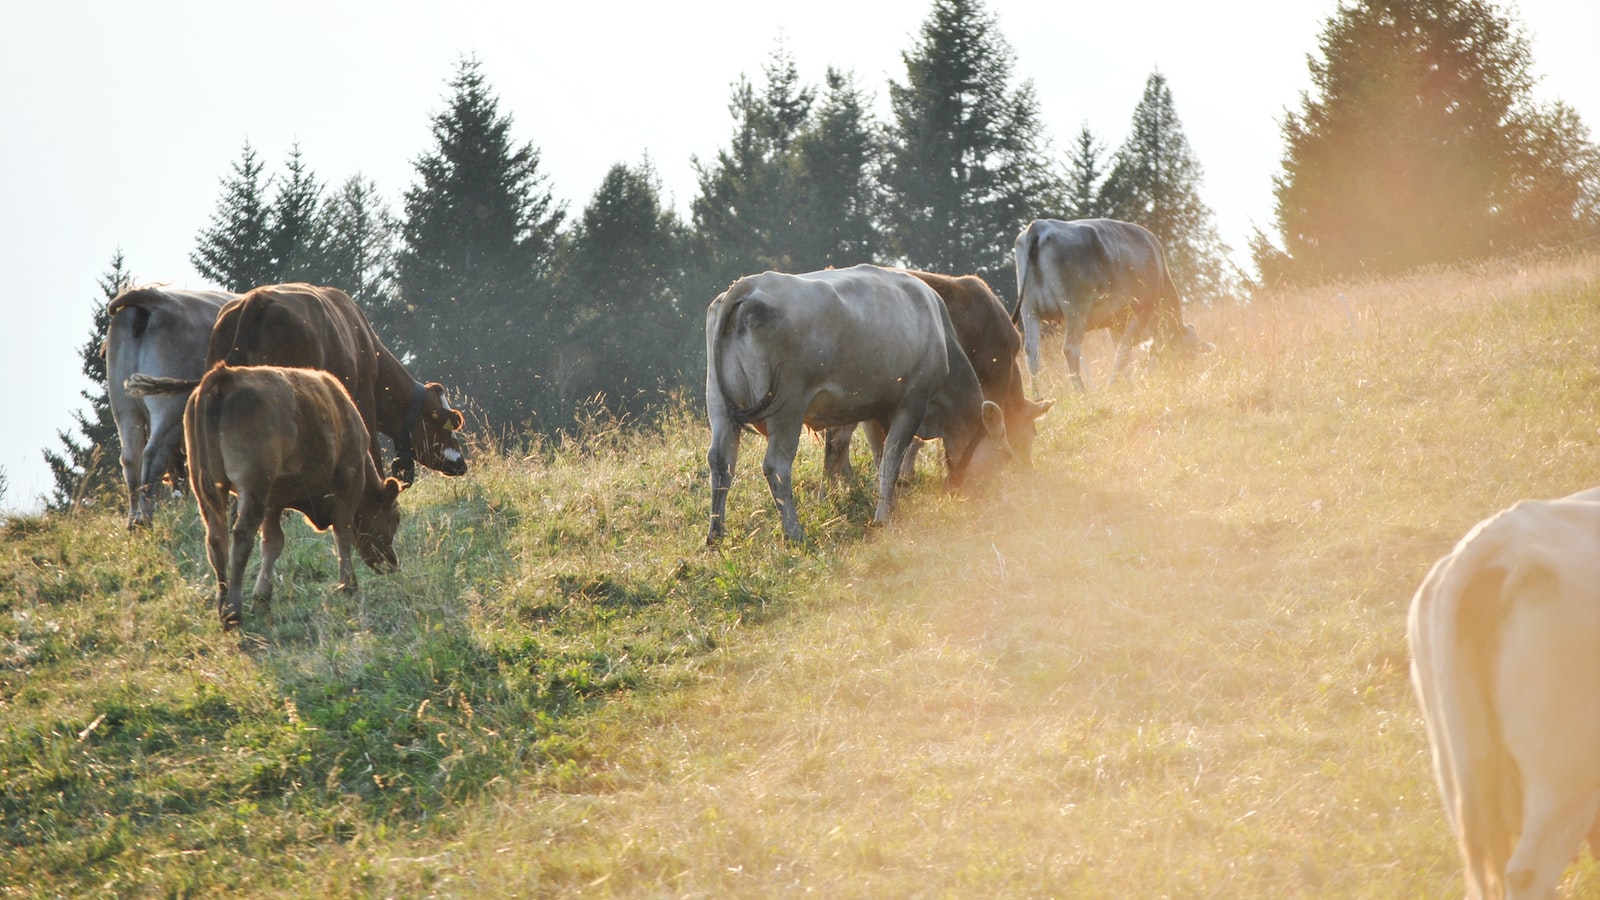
(1505, 658)
(282, 439)
(312, 327)
(991, 342)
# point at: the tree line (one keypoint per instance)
(1419, 143)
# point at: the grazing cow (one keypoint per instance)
(1505, 659)
(836, 347)
(313, 327)
(991, 342)
(283, 438)
(1097, 273)
(160, 331)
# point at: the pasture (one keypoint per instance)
(1169, 662)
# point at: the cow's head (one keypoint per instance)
(986, 451)
(1183, 342)
(377, 520)
(1022, 426)
(436, 433)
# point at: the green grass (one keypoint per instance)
(1168, 662)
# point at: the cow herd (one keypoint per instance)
(280, 395)
(294, 391)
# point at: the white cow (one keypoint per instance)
(163, 332)
(838, 347)
(1505, 646)
(1097, 273)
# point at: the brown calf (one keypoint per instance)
(283, 438)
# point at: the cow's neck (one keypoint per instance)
(397, 394)
(958, 411)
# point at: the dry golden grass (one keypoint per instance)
(1168, 663)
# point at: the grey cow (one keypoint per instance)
(837, 347)
(1097, 273)
(162, 332)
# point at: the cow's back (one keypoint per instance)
(984, 329)
(1099, 266)
(160, 332)
(842, 344)
(301, 326)
(293, 430)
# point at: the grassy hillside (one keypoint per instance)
(1169, 661)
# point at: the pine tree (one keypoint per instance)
(235, 250)
(1085, 175)
(966, 166)
(1155, 182)
(1419, 143)
(296, 236)
(473, 269)
(87, 471)
(623, 334)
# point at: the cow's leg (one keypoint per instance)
(1546, 678)
(877, 432)
(902, 431)
(1072, 332)
(214, 512)
(783, 442)
(836, 457)
(157, 454)
(1124, 348)
(1030, 344)
(246, 523)
(721, 457)
(133, 441)
(342, 539)
(271, 549)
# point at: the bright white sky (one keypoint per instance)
(118, 120)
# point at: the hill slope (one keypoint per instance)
(1168, 662)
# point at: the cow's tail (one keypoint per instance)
(142, 385)
(761, 381)
(1456, 621)
(1027, 264)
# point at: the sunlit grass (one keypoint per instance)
(1168, 662)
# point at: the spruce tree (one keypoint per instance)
(1420, 143)
(966, 166)
(359, 246)
(1085, 175)
(473, 269)
(87, 470)
(1155, 182)
(623, 336)
(235, 250)
(745, 215)
(838, 157)
(296, 236)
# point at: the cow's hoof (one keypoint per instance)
(230, 619)
(346, 587)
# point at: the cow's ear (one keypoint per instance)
(1037, 408)
(456, 420)
(392, 488)
(994, 421)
